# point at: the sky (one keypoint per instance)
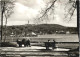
(25, 10)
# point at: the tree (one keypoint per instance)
(70, 7)
(6, 11)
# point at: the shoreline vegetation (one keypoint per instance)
(41, 29)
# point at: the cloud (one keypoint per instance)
(22, 12)
(35, 4)
(26, 10)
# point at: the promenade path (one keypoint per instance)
(33, 51)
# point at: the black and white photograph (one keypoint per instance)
(39, 28)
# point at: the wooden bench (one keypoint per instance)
(49, 44)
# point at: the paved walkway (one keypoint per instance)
(33, 51)
(32, 48)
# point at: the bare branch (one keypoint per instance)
(72, 9)
(70, 6)
(50, 7)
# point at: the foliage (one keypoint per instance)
(7, 7)
(39, 29)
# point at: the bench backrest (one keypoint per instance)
(50, 44)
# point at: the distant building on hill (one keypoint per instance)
(31, 34)
(12, 34)
(67, 32)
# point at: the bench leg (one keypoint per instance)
(47, 47)
(52, 47)
(20, 45)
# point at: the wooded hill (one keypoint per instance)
(39, 29)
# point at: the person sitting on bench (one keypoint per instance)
(53, 44)
(24, 42)
(28, 43)
(19, 42)
(48, 44)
